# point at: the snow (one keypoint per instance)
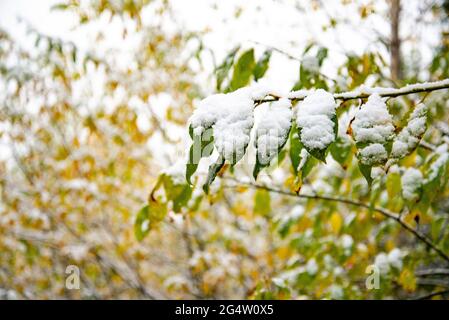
(372, 122)
(311, 64)
(364, 90)
(346, 241)
(381, 262)
(391, 260)
(373, 154)
(304, 155)
(395, 258)
(408, 139)
(312, 267)
(411, 180)
(314, 118)
(272, 131)
(373, 125)
(177, 172)
(437, 164)
(231, 117)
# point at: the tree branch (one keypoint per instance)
(365, 92)
(431, 295)
(417, 234)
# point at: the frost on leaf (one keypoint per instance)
(272, 132)
(372, 130)
(317, 122)
(409, 137)
(412, 181)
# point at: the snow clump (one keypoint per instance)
(315, 120)
(373, 128)
(273, 129)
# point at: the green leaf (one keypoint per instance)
(148, 217)
(259, 166)
(213, 171)
(295, 148)
(376, 190)
(243, 70)
(366, 172)
(262, 202)
(393, 185)
(222, 70)
(320, 154)
(321, 55)
(179, 194)
(202, 146)
(262, 65)
(182, 199)
(308, 166)
(436, 173)
(341, 151)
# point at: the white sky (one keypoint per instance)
(275, 23)
(272, 22)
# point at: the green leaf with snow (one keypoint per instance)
(272, 133)
(243, 69)
(317, 123)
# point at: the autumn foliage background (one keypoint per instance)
(85, 134)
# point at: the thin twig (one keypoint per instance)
(420, 236)
(431, 295)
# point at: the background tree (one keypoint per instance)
(89, 171)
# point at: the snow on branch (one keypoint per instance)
(365, 92)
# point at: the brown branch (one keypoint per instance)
(433, 272)
(431, 295)
(416, 233)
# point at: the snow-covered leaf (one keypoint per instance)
(317, 122)
(373, 130)
(412, 182)
(408, 139)
(272, 133)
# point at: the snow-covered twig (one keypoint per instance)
(365, 92)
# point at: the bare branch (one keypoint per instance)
(391, 215)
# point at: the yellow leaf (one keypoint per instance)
(336, 222)
(407, 280)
